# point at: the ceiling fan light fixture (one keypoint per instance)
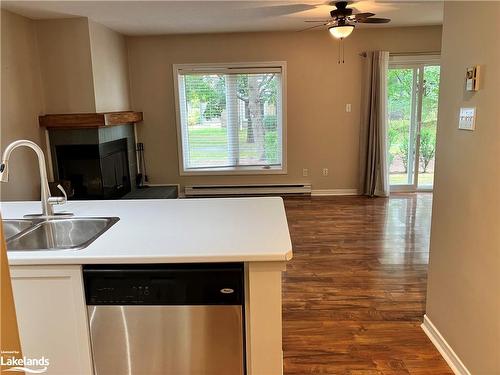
(341, 31)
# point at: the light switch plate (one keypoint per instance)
(467, 118)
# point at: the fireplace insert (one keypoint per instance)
(96, 171)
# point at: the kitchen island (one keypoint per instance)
(48, 286)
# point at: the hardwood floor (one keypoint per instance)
(354, 292)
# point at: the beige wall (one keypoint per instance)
(21, 103)
(66, 64)
(320, 133)
(74, 54)
(54, 66)
(84, 66)
(463, 298)
(110, 69)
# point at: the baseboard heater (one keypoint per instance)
(253, 189)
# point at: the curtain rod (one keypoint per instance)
(420, 53)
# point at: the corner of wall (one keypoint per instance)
(109, 68)
(24, 102)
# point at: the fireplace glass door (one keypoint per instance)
(96, 171)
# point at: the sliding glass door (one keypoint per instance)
(412, 100)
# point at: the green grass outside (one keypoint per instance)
(211, 144)
(401, 179)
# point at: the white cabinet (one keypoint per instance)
(52, 317)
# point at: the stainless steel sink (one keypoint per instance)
(15, 226)
(61, 234)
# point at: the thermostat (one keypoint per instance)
(472, 78)
(467, 119)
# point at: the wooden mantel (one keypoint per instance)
(89, 120)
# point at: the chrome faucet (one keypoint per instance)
(46, 199)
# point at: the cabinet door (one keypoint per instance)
(52, 317)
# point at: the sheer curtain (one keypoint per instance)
(374, 177)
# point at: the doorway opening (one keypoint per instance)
(412, 106)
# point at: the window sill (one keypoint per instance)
(235, 171)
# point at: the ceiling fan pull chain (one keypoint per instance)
(343, 51)
(338, 53)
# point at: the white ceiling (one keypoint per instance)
(182, 17)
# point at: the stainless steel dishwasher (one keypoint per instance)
(185, 319)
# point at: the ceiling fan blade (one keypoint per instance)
(281, 10)
(362, 15)
(418, 2)
(317, 21)
(373, 20)
(312, 27)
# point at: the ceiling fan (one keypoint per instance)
(343, 19)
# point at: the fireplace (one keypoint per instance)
(94, 163)
(96, 171)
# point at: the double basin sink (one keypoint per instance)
(63, 233)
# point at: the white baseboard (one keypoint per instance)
(444, 348)
(325, 192)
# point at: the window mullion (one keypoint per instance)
(232, 118)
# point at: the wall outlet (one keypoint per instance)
(305, 172)
(348, 108)
(325, 172)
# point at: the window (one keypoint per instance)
(230, 118)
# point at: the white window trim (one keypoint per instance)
(242, 170)
(398, 61)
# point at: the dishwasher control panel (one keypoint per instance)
(164, 284)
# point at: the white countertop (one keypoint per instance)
(171, 231)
